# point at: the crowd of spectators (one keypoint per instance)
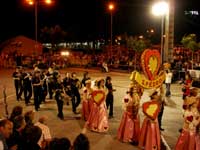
(20, 132)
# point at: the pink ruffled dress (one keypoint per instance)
(86, 103)
(150, 135)
(189, 138)
(129, 128)
(98, 119)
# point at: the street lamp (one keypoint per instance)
(111, 7)
(161, 8)
(36, 3)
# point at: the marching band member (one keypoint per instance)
(59, 96)
(36, 82)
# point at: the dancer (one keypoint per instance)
(98, 120)
(87, 100)
(150, 133)
(189, 138)
(129, 128)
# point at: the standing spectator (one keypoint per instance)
(104, 66)
(6, 128)
(109, 96)
(168, 81)
(46, 135)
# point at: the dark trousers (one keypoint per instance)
(27, 93)
(60, 106)
(50, 89)
(76, 99)
(18, 89)
(109, 103)
(37, 97)
(160, 115)
(168, 92)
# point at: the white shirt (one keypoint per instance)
(1, 145)
(168, 78)
(46, 135)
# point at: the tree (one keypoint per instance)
(54, 35)
(190, 42)
(138, 45)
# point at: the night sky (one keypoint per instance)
(90, 19)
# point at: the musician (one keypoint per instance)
(59, 96)
(43, 78)
(67, 85)
(75, 86)
(27, 86)
(16, 78)
(36, 82)
(50, 82)
(109, 96)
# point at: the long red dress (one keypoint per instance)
(129, 128)
(86, 103)
(189, 138)
(98, 119)
(150, 134)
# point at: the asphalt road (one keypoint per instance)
(73, 125)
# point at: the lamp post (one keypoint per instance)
(36, 3)
(161, 8)
(111, 8)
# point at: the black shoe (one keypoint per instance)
(161, 129)
(76, 112)
(61, 117)
(110, 117)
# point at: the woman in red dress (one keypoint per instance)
(87, 100)
(150, 133)
(129, 128)
(189, 138)
(98, 119)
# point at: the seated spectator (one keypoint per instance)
(60, 144)
(6, 127)
(16, 137)
(32, 137)
(29, 117)
(16, 111)
(46, 135)
(81, 143)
